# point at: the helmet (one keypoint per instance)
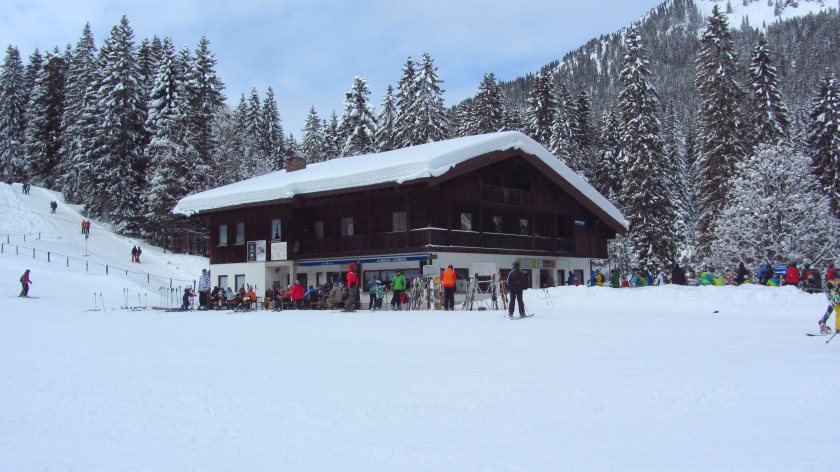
(515, 264)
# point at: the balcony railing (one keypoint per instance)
(426, 237)
(510, 196)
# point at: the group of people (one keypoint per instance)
(86, 227)
(135, 254)
(53, 206)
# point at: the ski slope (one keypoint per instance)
(658, 378)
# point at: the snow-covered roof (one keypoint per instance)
(398, 167)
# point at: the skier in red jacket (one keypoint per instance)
(352, 287)
(792, 275)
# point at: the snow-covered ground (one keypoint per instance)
(658, 378)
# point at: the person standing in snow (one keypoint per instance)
(203, 289)
(134, 254)
(398, 284)
(792, 275)
(516, 283)
(139, 251)
(53, 206)
(447, 279)
(24, 283)
(352, 287)
(678, 275)
(743, 275)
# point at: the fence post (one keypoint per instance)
(33, 253)
(86, 266)
(147, 278)
(48, 256)
(17, 250)
(68, 261)
(106, 269)
(39, 236)
(24, 237)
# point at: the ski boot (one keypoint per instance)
(824, 329)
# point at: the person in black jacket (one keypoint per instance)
(742, 275)
(516, 283)
(678, 275)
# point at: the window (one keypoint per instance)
(223, 235)
(466, 221)
(223, 281)
(523, 226)
(240, 233)
(319, 229)
(276, 230)
(398, 222)
(240, 281)
(347, 227)
(497, 224)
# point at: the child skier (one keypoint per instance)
(24, 282)
(833, 294)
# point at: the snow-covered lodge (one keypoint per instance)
(493, 198)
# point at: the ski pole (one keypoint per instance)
(832, 337)
(95, 302)
(103, 301)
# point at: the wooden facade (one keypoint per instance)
(505, 202)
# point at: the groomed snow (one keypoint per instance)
(657, 378)
(399, 166)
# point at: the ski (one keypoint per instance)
(817, 334)
(522, 317)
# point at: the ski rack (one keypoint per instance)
(482, 288)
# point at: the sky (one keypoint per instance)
(309, 51)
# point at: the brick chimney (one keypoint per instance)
(294, 161)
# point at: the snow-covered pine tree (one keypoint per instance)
(779, 215)
(823, 140)
(542, 108)
(463, 123)
(171, 156)
(44, 116)
(406, 95)
(488, 108)
(563, 144)
(605, 177)
(358, 124)
(332, 139)
(718, 120)
(292, 143)
(645, 198)
(768, 114)
(12, 109)
(227, 143)
(271, 132)
(30, 72)
(431, 119)
(386, 132)
(81, 75)
(117, 157)
(678, 179)
(312, 145)
(205, 98)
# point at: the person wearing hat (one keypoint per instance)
(398, 287)
(516, 282)
(24, 284)
(203, 289)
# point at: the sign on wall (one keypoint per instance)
(279, 251)
(256, 251)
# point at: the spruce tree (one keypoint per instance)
(117, 158)
(271, 132)
(606, 178)
(488, 108)
(12, 109)
(406, 96)
(205, 97)
(332, 138)
(563, 129)
(358, 124)
(718, 119)
(312, 144)
(386, 132)
(769, 116)
(44, 116)
(542, 109)
(823, 140)
(81, 75)
(645, 198)
(428, 110)
(31, 71)
(171, 156)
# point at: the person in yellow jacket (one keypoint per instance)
(447, 279)
(833, 293)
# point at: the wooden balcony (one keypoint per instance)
(509, 196)
(427, 238)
